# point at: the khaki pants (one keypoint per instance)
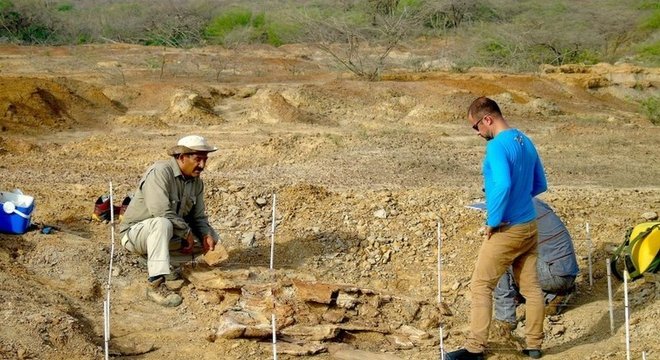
(510, 245)
(151, 237)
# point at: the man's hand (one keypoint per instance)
(490, 231)
(209, 243)
(190, 243)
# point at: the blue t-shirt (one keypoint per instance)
(513, 175)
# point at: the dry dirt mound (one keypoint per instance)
(137, 120)
(16, 146)
(32, 105)
(188, 107)
(273, 108)
(281, 150)
(46, 287)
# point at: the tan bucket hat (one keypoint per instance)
(191, 144)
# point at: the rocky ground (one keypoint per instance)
(363, 172)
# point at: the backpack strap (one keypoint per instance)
(626, 248)
(617, 254)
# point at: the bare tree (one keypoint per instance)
(361, 49)
(384, 7)
(615, 28)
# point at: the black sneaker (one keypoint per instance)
(533, 353)
(463, 354)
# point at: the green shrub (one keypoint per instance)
(65, 7)
(496, 50)
(649, 4)
(25, 24)
(496, 53)
(259, 21)
(650, 51)
(242, 26)
(222, 24)
(240, 35)
(652, 22)
(279, 33)
(651, 108)
(84, 39)
(456, 14)
(410, 4)
(587, 57)
(174, 35)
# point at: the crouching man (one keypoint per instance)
(168, 206)
(556, 266)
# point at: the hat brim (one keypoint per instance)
(180, 149)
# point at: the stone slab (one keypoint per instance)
(217, 256)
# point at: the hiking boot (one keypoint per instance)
(160, 295)
(533, 353)
(174, 275)
(463, 354)
(557, 305)
(155, 281)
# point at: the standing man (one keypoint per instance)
(513, 175)
(557, 268)
(168, 205)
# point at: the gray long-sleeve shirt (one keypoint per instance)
(163, 191)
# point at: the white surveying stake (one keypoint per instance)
(439, 263)
(272, 256)
(626, 311)
(591, 276)
(609, 294)
(442, 347)
(106, 302)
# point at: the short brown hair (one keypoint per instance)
(482, 106)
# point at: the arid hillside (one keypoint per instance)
(363, 172)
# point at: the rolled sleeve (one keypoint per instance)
(199, 221)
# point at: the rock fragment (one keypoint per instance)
(650, 215)
(216, 256)
(248, 239)
(380, 214)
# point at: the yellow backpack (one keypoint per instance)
(640, 251)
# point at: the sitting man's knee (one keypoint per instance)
(163, 224)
